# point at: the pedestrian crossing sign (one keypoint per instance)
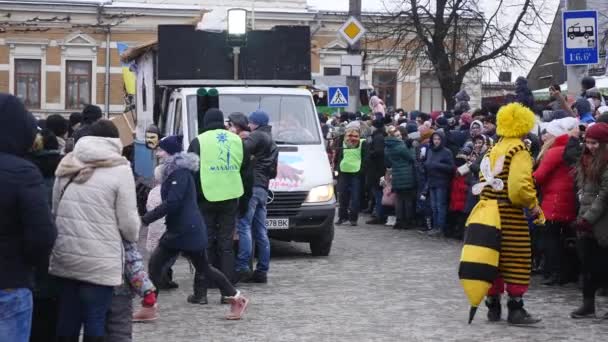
(337, 96)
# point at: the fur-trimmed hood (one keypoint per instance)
(182, 160)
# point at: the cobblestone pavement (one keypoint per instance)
(378, 285)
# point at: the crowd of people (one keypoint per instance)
(425, 171)
(70, 221)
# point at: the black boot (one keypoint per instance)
(94, 339)
(199, 297)
(587, 310)
(494, 308)
(68, 338)
(517, 314)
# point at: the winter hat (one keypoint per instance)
(598, 131)
(411, 127)
(478, 123)
(582, 106)
(442, 122)
(555, 128)
(91, 113)
(588, 82)
(426, 133)
(17, 126)
(355, 125)
(214, 119)
(259, 118)
(466, 118)
(514, 121)
(462, 96)
(172, 144)
(435, 115)
(57, 124)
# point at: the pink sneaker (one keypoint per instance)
(146, 314)
(238, 305)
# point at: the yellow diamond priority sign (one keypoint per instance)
(352, 30)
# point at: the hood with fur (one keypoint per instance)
(182, 160)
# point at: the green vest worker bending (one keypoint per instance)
(350, 157)
(221, 182)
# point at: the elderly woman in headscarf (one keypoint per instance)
(350, 154)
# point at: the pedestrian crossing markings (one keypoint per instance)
(338, 98)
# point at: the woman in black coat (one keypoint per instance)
(186, 231)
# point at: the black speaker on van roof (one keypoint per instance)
(282, 53)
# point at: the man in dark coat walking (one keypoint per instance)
(27, 232)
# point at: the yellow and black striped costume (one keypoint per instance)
(515, 247)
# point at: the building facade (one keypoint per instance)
(59, 55)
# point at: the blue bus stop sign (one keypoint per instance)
(337, 97)
(580, 37)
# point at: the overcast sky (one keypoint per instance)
(489, 6)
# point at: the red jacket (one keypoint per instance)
(556, 182)
(458, 193)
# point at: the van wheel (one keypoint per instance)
(321, 246)
(586, 35)
(571, 36)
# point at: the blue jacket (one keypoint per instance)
(186, 229)
(439, 164)
(27, 231)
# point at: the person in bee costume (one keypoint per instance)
(497, 249)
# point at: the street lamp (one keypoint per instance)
(237, 34)
(237, 21)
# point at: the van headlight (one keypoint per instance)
(323, 193)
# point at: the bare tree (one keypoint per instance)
(454, 37)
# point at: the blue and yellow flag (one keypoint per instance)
(128, 76)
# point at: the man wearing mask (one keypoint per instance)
(264, 152)
(221, 181)
(27, 232)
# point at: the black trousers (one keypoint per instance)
(220, 218)
(162, 257)
(552, 245)
(405, 206)
(594, 262)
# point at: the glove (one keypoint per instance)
(149, 299)
(583, 226)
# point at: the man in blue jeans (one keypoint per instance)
(27, 232)
(264, 152)
(440, 168)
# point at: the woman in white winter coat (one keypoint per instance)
(94, 203)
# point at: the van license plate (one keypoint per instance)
(277, 223)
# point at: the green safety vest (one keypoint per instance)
(351, 158)
(221, 160)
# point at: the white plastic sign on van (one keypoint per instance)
(337, 97)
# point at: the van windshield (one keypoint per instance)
(292, 117)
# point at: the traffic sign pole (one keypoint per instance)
(575, 73)
(353, 82)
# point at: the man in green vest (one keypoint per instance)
(349, 163)
(222, 181)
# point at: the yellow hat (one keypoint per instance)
(514, 121)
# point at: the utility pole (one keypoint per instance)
(575, 73)
(353, 82)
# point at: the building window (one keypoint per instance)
(27, 81)
(385, 84)
(78, 84)
(431, 95)
(331, 71)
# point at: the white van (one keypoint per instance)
(301, 201)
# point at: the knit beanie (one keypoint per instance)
(259, 118)
(598, 131)
(466, 118)
(411, 127)
(172, 144)
(214, 119)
